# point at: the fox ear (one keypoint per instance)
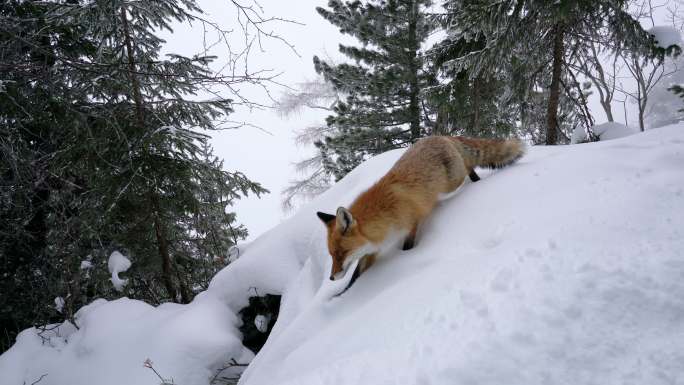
(344, 219)
(326, 218)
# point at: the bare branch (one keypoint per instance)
(38, 380)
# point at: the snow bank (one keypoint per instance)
(666, 36)
(604, 131)
(187, 343)
(567, 267)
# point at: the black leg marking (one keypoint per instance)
(355, 276)
(473, 176)
(409, 242)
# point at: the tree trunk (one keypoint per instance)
(605, 87)
(184, 291)
(642, 109)
(73, 298)
(642, 95)
(163, 248)
(414, 108)
(608, 110)
(137, 97)
(162, 243)
(554, 92)
(441, 123)
(475, 122)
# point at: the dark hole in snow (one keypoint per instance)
(258, 319)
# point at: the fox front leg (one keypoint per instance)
(355, 276)
(363, 265)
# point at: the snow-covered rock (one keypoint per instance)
(604, 131)
(565, 268)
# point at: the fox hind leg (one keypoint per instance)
(410, 239)
(409, 242)
(473, 176)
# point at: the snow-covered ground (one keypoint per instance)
(565, 268)
(604, 131)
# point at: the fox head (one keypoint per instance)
(346, 244)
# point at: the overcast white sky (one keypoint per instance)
(268, 157)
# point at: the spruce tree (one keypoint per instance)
(159, 181)
(467, 103)
(384, 106)
(104, 146)
(43, 202)
(526, 38)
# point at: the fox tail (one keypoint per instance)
(491, 153)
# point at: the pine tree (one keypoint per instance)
(384, 106)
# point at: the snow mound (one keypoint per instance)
(565, 268)
(604, 131)
(187, 343)
(666, 36)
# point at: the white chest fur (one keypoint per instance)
(391, 242)
(389, 245)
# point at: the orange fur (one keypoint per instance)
(400, 200)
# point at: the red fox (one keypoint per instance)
(393, 208)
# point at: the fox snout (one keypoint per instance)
(337, 271)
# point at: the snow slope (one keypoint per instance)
(604, 131)
(566, 268)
